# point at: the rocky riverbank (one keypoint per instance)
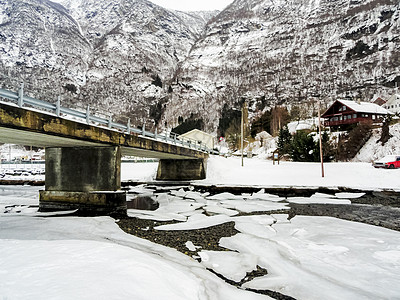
(374, 208)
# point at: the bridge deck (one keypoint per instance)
(33, 128)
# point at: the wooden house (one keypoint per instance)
(344, 112)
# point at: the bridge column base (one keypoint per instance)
(181, 169)
(87, 203)
(83, 178)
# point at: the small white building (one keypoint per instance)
(393, 104)
(200, 136)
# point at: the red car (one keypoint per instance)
(388, 162)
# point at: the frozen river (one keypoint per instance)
(44, 256)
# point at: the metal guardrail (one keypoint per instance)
(20, 99)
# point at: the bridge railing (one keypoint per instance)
(21, 100)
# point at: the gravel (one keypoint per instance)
(378, 215)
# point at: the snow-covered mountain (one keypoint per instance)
(114, 55)
(136, 59)
(279, 51)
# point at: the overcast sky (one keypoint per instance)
(192, 5)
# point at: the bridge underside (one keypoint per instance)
(83, 161)
(32, 128)
(28, 138)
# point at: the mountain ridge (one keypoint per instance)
(274, 52)
(137, 60)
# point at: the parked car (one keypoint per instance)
(388, 162)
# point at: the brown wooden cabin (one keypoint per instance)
(344, 112)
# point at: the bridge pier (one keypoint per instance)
(83, 178)
(181, 169)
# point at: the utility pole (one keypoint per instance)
(241, 134)
(320, 138)
(9, 156)
(30, 154)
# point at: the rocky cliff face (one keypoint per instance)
(40, 38)
(135, 59)
(277, 51)
(112, 55)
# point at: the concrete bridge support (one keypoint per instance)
(181, 169)
(84, 178)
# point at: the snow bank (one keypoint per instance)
(373, 150)
(256, 172)
(325, 258)
(91, 258)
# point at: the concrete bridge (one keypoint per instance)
(83, 153)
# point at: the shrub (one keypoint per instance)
(349, 144)
(71, 88)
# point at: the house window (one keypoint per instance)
(344, 107)
(373, 117)
(355, 116)
(349, 117)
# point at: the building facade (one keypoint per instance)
(393, 104)
(200, 136)
(344, 112)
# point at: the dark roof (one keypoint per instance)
(379, 101)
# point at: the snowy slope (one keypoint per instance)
(373, 150)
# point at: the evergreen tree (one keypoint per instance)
(303, 147)
(284, 140)
(157, 81)
(385, 134)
